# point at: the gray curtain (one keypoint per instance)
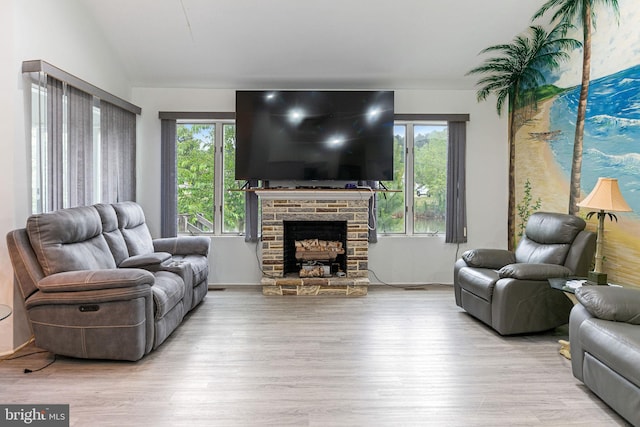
(66, 155)
(52, 155)
(251, 213)
(118, 145)
(456, 229)
(80, 149)
(168, 181)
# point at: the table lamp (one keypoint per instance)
(604, 198)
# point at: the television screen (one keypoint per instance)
(314, 135)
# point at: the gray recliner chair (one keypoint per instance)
(509, 291)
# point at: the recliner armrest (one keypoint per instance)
(488, 258)
(611, 303)
(90, 280)
(533, 271)
(183, 245)
(153, 259)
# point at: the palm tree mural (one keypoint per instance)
(518, 70)
(581, 12)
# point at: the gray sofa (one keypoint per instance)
(509, 291)
(604, 331)
(96, 285)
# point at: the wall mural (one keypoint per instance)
(548, 111)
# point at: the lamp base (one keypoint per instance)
(595, 278)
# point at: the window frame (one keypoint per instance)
(219, 121)
(409, 177)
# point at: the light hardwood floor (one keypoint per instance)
(392, 358)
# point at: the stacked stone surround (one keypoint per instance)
(351, 206)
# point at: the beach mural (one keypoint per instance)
(611, 138)
(544, 131)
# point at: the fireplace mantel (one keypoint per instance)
(313, 194)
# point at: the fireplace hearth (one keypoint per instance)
(328, 215)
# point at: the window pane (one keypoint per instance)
(391, 206)
(195, 166)
(233, 208)
(430, 176)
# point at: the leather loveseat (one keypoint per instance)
(96, 285)
(604, 331)
(509, 291)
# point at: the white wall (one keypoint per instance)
(63, 34)
(8, 129)
(395, 259)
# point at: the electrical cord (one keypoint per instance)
(28, 371)
(403, 286)
(264, 273)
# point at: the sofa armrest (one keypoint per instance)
(611, 303)
(152, 259)
(578, 316)
(488, 258)
(533, 271)
(90, 280)
(183, 245)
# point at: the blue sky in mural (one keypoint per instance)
(615, 46)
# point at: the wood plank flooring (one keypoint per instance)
(392, 358)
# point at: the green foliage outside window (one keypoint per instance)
(429, 183)
(195, 172)
(234, 201)
(430, 172)
(195, 179)
(391, 205)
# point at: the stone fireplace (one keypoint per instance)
(340, 215)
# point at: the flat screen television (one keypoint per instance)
(314, 135)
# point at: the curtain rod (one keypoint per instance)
(433, 117)
(38, 65)
(200, 115)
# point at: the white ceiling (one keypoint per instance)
(245, 44)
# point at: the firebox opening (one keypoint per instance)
(328, 231)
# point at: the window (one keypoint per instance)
(83, 141)
(199, 192)
(205, 156)
(420, 181)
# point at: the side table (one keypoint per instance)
(5, 311)
(568, 285)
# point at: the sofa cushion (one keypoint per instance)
(615, 344)
(69, 239)
(611, 303)
(168, 290)
(548, 237)
(131, 222)
(530, 251)
(112, 233)
(553, 228)
(478, 281)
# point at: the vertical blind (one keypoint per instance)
(83, 146)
